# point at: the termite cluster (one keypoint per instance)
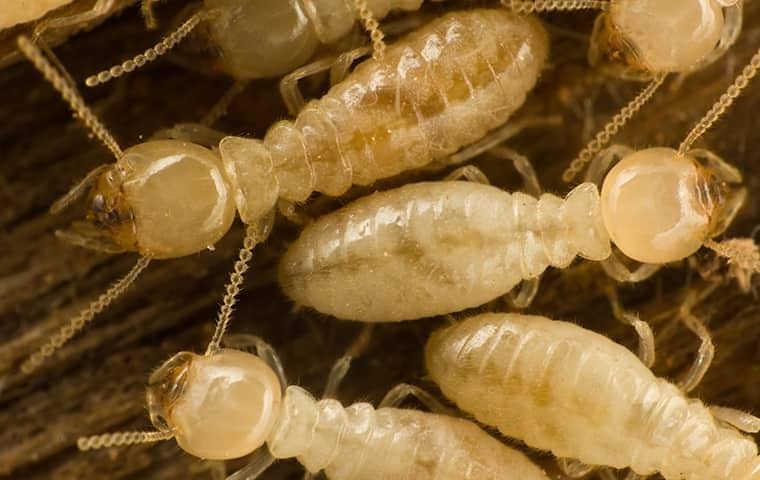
(365, 200)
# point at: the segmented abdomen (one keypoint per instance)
(562, 388)
(436, 90)
(437, 247)
(361, 443)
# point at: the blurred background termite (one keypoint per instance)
(44, 281)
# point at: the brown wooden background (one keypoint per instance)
(96, 383)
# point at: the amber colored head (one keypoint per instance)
(660, 206)
(218, 406)
(163, 199)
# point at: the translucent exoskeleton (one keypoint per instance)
(559, 387)
(267, 38)
(647, 40)
(229, 403)
(435, 248)
(436, 90)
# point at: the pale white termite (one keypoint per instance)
(647, 40)
(562, 388)
(435, 248)
(229, 403)
(441, 87)
(268, 38)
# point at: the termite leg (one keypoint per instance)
(743, 421)
(100, 8)
(471, 173)
(524, 167)
(248, 342)
(342, 64)
(603, 161)
(495, 138)
(191, 132)
(220, 108)
(291, 92)
(706, 350)
(216, 469)
(402, 391)
(340, 368)
(574, 468)
(151, 23)
(643, 330)
(524, 295)
(606, 473)
(616, 269)
(258, 462)
(293, 213)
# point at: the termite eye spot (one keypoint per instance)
(653, 206)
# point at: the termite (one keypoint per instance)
(261, 38)
(434, 91)
(559, 387)
(439, 247)
(647, 40)
(229, 403)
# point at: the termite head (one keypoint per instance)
(163, 199)
(643, 38)
(660, 206)
(218, 406)
(261, 38)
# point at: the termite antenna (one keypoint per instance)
(613, 126)
(146, 8)
(83, 318)
(524, 6)
(254, 234)
(160, 48)
(371, 25)
(69, 94)
(120, 439)
(725, 101)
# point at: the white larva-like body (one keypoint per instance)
(440, 88)
(432, 248)
(562, 388)
(361, 443)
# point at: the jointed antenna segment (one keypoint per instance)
(725, 101)
(614, 125)
(85, 316)
(120, 439)
(371, 25)
(150, 54)
(252, 237)
(69, 93)
(523, 6)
